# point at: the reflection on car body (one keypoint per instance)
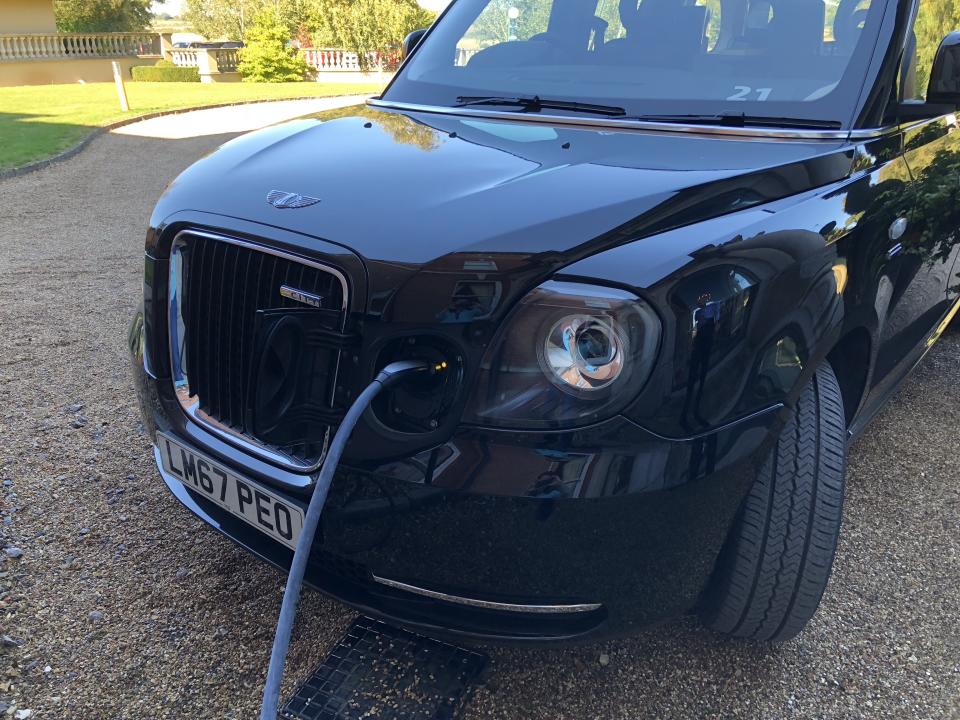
(661, 327)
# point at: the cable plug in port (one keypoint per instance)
(422, 403)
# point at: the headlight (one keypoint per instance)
(584, 353)
(569, 354)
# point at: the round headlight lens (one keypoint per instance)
(583, 353)
(569, 354)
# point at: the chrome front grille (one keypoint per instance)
(256, 336)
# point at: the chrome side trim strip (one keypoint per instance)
(180, 382)
(487, 604)
(627, 124)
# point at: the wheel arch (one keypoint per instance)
(851, 360)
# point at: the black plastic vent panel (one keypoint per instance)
(378, 671)
(230, 291)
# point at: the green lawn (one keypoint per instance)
(39, 121)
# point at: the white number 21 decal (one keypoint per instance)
(743, 92)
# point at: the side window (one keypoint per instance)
(504, 21)
(935, 19)
(609, 12)
(843, 25)
(713, 22)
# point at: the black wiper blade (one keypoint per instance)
(537, 103)
(742, 120)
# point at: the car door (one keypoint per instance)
(925, 243)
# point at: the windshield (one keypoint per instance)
(774, 59)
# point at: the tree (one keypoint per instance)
(935, 18)
(230, 19)
(367, 26)
(402, 128)
(268, 56)
(102, 15)
(494, 24)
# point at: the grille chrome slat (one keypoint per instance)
(234, 380)
(216, 357)
(225, 300)
(244, 344)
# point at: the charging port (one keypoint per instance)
(423, 403)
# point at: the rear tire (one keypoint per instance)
(775, 566)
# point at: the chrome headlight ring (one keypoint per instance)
(584, 353)
(570, 353)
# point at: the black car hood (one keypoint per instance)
(412, 188)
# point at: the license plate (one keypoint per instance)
(249, 501)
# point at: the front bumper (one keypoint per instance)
(616, 521)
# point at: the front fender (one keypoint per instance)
(751, 302)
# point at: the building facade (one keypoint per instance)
(32, 52)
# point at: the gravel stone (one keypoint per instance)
(70, 277)
(13, 552)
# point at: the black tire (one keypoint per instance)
(775, 566)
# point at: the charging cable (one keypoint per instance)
(390, 375)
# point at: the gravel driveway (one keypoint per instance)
(124, 606)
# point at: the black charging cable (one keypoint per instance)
(390, 375)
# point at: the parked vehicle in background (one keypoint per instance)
(672, 258)
(196, 45)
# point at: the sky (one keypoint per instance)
(173, 7)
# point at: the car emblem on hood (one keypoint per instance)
(290, 201)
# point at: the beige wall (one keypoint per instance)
(26, 16)
(48, 72)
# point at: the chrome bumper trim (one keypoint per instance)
(488, 604)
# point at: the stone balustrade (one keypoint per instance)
(184, 58)
(331, 60)
(227, 59)
(214, 64)
(464, 55)
(62, 46)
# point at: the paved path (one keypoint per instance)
(140, 611)
(231, 119)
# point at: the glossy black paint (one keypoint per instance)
(789, 240)
(610, 514)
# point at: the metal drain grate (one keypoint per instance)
(378, 671)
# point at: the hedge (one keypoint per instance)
(147, 73)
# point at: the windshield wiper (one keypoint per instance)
(537, 103)
(742, 120)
